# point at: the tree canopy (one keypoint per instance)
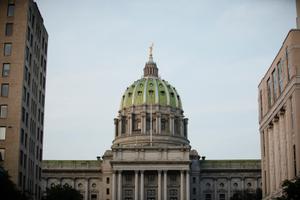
(291, 190)
(8, 189)
(247, 195)
(64, 192)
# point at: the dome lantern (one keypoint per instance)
(150, 68)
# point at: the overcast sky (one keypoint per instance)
(213, 52)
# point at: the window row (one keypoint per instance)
(275, 83)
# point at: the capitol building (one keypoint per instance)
(151, 157)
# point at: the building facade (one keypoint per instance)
(151, 156)
(279, 116)
(23, 58)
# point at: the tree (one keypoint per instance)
(290, 190)
(8, 189)
(247, 195)
(64, 192)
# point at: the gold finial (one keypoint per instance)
(151, 49)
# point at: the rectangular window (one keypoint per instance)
(292, 113)
(260, 104)
(263, 143)
(21, 158)
(7, 49)
(107, 191)
(269, 93)
(194, 180)
(2, 133)
(221, 196)
(275, 84)
(4, 90)
(287, 63)
(10, 10)
(94, 197)
(107, 180)
(280, 76)
(5, 69)
(8, 29)
(3, 111)
(20, 179)
(22, 136)
(2, 154)
(207, 196)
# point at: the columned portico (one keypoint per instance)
(136, 187)
(120, 185)
(140, 188)
(113, 186)
(159, 185)
(182, 185)
(165, 184)
(142, 185)
(187, 176)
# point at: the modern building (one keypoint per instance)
(279, 116)
(23, 58)
(151, 156)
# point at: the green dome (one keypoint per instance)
(151, 91)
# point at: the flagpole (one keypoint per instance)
(151, 123)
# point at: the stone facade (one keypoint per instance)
(279, 117)
(208, 179)
(151, 157)
(23, 56)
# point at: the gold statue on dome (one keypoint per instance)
(151, 49)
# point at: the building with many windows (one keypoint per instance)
(151, 156)
(23, 57)
(279, 116)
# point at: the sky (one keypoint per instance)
(213, 52)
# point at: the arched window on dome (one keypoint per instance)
(177, 126)
(164, 124)
(136, 123)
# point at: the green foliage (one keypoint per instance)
(8, 189)
(65, 192)
(291, 190)
(247, 195)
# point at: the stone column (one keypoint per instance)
(181, 127)
(87, 189)
(129, 124)
(267, 160)
(120, 185)
(283, 153)
(136, 187)
(142, 185)
(116, 122)
(187, 174)
(289, 143)
(243, 183)
(120, 126)
(113, 186)
(158, 123)
(171, 124)
(215, 188)
(165, 184)
(271, 154)
(159, 185)
(143, 128)
(276, 151)
(229, 187)
(186, 126)
(181, 185)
